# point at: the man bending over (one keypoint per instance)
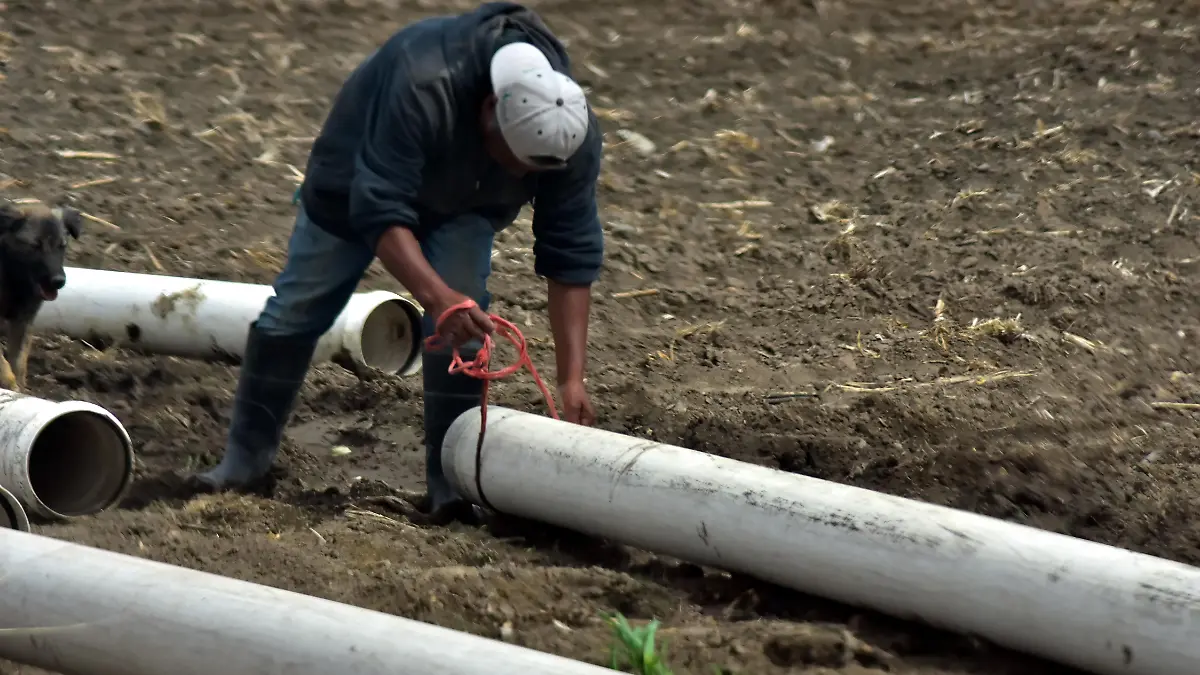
(432, 146)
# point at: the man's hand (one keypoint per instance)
(577, 406)
(400, 253)
(461, 326)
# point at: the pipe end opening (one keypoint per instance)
(80, 464)
(12, 515)
(389, 341)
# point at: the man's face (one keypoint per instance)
(498, 149)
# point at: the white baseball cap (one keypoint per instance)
(542, 113)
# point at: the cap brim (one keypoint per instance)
(512, 61)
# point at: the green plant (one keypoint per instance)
(635, 648)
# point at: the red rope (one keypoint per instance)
(479, 366)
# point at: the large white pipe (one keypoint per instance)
(206, 318)
(12, 515)
(95, 612)
(1081, 603)
(62, 459)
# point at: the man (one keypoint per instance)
(432, 146)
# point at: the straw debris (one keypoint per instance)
(1005, 330)
(942, 331)
(908, 383)
(682, 334)
(849, 250)
(1173, 405)
(1092, 346)
(87, 154)
(149, 110)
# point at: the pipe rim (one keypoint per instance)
(412, 365)
(373, 316)
(14, 516)
(109, 422)
(415, 314)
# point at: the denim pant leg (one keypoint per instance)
(460, 251)
(321, 273)
(317, 280)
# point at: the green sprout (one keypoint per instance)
(634, 648)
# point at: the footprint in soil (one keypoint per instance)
(174, 488)
(160, 488)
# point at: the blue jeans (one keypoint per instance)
(322, 272)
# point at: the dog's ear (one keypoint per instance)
(72, 221)
(11, 217)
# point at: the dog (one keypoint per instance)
(33, 247)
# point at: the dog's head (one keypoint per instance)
(33, 245)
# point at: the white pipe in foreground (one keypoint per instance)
(205, 318)
(103, 613)
(1092, 606)
(12, 515)
(62, 459)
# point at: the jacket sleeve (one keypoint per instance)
(568, 238)
(388, 167)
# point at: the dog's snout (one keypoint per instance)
(58, 281)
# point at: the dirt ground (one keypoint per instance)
(963, 233)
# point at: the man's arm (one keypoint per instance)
(387, 179)
(569, 251)
(569, 308)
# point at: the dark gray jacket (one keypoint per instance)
(403, 145)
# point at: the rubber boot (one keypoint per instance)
(446, 397)
(272, 373)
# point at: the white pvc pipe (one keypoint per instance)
(205, 318)
(62, 459)
(12, 514)
(1081, 603)
(94, 612)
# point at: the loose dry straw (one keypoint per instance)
(635, 294)
(907, 383)
(101, 221)
(1090, 345)
(746, 204)
(93, 183)
(904, 384)
(150, 254)
(86, 154)
(1173, 405)
(377, 517)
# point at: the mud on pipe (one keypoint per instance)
(210, 319)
